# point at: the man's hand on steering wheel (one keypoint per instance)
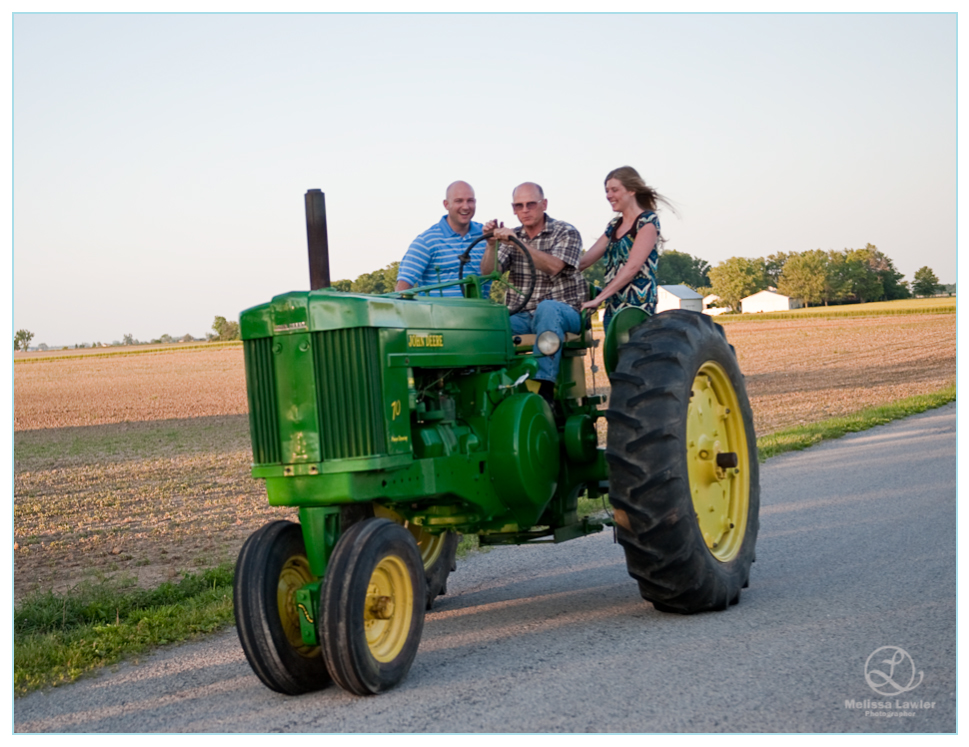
(504, 234)
(490, 227)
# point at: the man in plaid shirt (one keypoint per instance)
(555, 247)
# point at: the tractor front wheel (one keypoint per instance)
(372, 606)
(272, 566)
(683, 467)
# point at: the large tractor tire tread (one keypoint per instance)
(627, 378)
(647, 453)
(661, 391)
(274, 558)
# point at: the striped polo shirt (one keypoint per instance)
(433, 257)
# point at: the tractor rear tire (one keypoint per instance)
(683, 468)
(272, 566)
(372, 606)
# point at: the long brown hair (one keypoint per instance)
(647, 197)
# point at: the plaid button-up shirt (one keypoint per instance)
(559, 239)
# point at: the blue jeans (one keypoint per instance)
(548, 315)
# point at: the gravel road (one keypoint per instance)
(857, 551)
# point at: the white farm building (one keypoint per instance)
(768, 300)
(678, 297)
(709, 308)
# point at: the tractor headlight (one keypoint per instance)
(549, 343)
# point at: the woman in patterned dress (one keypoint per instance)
(630, 245)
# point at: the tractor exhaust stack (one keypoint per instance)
(316, 239)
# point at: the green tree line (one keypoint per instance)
(376, 282)
(814, 277)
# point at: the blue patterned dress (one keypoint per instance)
(641, 291)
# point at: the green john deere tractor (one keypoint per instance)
(393, 423)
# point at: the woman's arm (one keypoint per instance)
(642, 246)
(595, 253)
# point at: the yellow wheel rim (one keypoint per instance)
(429, 544)
(388, 609)
(294, 575)
(714, 434)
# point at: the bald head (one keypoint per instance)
(460, 205)
(457, 185)
(527, 187)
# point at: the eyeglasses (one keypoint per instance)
(520, 205)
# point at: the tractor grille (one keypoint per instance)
(348, 393)
(261, 388)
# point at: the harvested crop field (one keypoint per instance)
(99, 389)
(804, 371)
(139, 464)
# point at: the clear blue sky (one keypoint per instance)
(160, 161)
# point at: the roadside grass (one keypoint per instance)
(467, 545)
(795, 439)
(59, 637)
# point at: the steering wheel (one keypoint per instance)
(526, 294)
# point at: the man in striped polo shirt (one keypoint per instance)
(433, 256)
